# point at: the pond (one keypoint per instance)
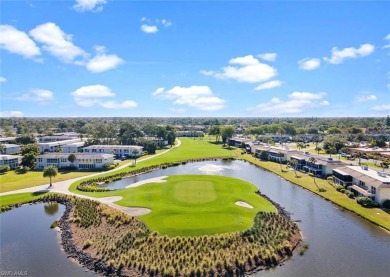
(340, 243)
(28, 247)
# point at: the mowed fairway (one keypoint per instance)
(194, 205)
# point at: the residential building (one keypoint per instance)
(363, 181)
(75, 147)
(55, 145)
(238, 141)
(128, 151)
(83, 160)
(59, 137)
(190, 133)
(10, 149)
(12, 160)
(275, 154)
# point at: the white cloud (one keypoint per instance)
(297, 102)
(41, 96)
(269, 85)
(2, 79)
(103, 62)
(150, 26)
(57, 43)
(89, 96)
(270, 57)
(17, 42)
(127, 104)
(309, 64)
(246, 69)
(388, 39)
(149, 29)
(338, 56)
(166, 23)
(366, 98)
(89, 5)
(11, 114)
(385, 107)
(199, 97)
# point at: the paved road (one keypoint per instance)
(63, 187)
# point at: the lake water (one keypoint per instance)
(28, 247)
(340, 243)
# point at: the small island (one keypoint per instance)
(198, 226)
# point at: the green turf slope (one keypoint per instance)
(193, 205)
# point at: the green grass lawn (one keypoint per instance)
(14, 181)
(189, 149)
(193, 205)
(21, 197)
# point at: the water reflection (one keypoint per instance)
(51, 208)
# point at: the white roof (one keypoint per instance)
(8, 145)
(113, 147)
(371, 173)
(61, 142)
(75, 144)
(10, 157)
(78, 155)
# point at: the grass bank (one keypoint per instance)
(375, 215)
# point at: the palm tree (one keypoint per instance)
(359, 156)
(72, 158)
(294, 164)
(280, 154)
(301, 145)
(312, 160)
(50, 171)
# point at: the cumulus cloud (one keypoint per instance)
(388, 39)
(149, 29)
(94, 95)
(270, 57)
(297, 102)
(41, 96)
(269, 85)
(89, 5)
(245, 69)
(2, 79)
(150, 26)
(385, 107)
(366, 98)
(11, 114)
(309, 64)
(103, 62)
(57, 43)
(17, 42)
(338, 56)
(199, 97)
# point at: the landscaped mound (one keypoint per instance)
(108, 241)
(194, 205)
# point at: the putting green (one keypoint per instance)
(194, 205)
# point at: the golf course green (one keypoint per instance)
(195, 205)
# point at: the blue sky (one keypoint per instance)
(198, 58)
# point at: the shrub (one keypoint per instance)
(338, 187)
(364, 201)
(4, 169)
(87, 243)
(386, 204)
(54, 224)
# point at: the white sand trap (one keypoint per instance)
(110, 199)
(244, 204)
(151, 180)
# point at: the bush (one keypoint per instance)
(54, 224)
(386, 204)
(4, 169)
(349, 194)
(87, 243)
(338, 187)
(364, 201)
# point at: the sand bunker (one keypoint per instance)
(244, 204)
(151, 180)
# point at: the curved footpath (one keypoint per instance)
(63, 187)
